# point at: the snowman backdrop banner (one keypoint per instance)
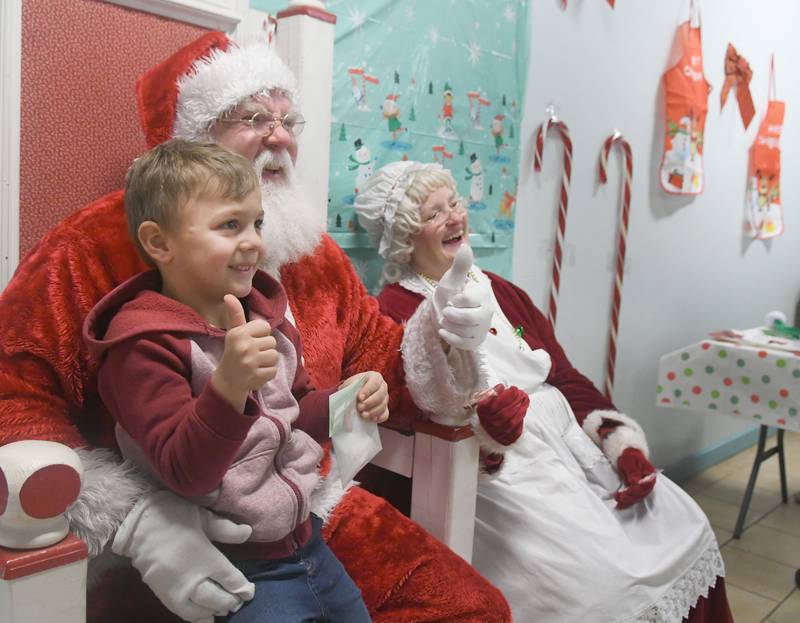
(412, 81)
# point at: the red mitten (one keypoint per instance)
(501, 411)
(639, 477)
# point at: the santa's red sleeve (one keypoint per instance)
(372, 340)
(342, 331)
(400, 304)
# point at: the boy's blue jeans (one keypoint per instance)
(311, 585)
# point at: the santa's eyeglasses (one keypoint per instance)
(264, 124)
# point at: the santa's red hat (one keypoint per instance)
(181, 96)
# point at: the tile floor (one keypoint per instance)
(761, 566)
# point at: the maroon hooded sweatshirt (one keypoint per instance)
(258, 467)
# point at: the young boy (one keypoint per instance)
(204, 376)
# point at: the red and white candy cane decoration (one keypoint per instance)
(617, 139)
(553, 122)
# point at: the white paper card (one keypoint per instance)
(355, 440)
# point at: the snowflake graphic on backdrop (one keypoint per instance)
(357, 18)
(473, 52)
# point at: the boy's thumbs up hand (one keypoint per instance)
(237, 321)
(250, 358)
(233, 306)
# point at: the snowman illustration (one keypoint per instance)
(683, 168)
(475, 178)
(361, 161)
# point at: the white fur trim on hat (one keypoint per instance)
(377, 203)
(629, 435)
(217, 83)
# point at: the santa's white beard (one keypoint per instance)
(292, 228)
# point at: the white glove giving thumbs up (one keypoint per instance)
(463, 307)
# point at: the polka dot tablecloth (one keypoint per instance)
(748, 382)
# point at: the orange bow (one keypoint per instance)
(738, 74)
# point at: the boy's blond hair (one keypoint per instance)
(163, 180)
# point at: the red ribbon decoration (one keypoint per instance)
(738, 74)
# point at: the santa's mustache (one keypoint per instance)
(275, 161)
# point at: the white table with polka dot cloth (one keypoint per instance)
(753, 382)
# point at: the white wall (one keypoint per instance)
(689, 270)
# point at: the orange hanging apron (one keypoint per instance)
(686, 90)
(764, 211)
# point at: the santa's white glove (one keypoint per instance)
(168, 540)
(463, 308)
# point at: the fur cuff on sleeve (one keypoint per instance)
(629, 435)
(329, 492)
(110, 489)
(440, 384)
(485, 440)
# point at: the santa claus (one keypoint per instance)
(244, 100)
